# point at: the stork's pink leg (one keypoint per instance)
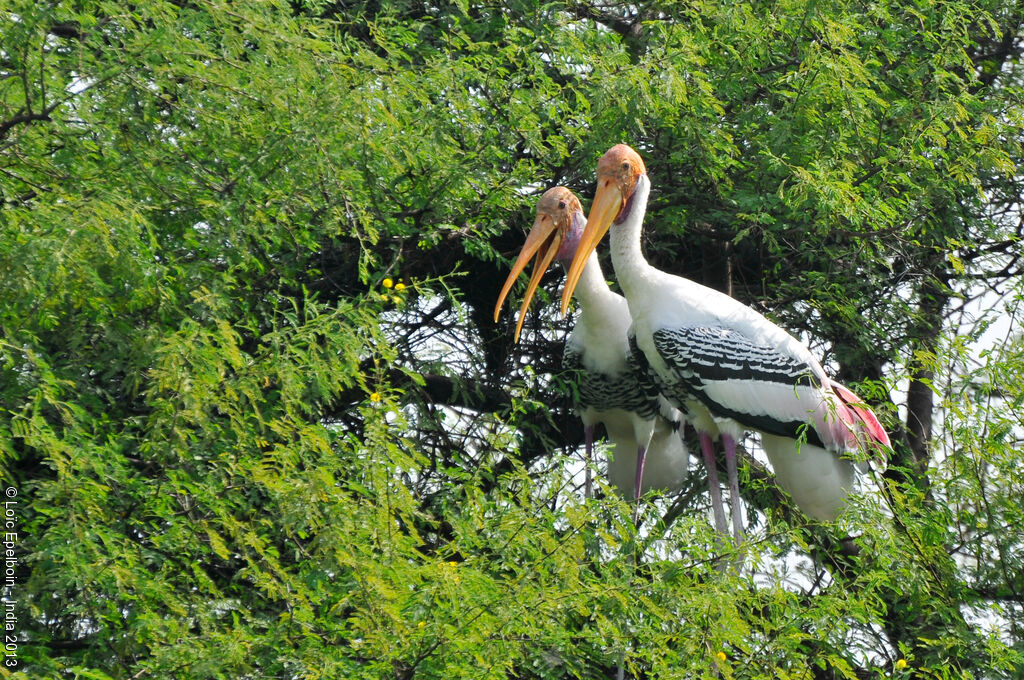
(734, 486)
(707, 447)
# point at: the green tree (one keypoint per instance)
(259, 420)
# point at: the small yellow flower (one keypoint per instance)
(721, 656)
(384, 297)
(421, 624)
(453, 564)
(901, 664)
(387, 283)
(399, 287)
(375, 397)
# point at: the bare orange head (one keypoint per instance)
(617, 174)
(555, 214)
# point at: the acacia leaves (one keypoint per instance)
(240, 452)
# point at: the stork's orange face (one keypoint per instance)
(555, 212)
(617, 174)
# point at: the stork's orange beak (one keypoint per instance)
(542, 242)
(608, 202)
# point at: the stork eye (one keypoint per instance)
(561, 205)
(625, 165)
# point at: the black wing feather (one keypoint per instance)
(700, 356)
(603, 392)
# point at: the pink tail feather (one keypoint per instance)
(863, 415)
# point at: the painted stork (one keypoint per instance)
(637, 421)
(704, 346)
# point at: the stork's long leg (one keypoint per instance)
(734, 486)
(707, 447)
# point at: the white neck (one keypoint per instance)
(631, 268)
(592, 289)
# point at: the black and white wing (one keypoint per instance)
(606, 391)
(648, 382)
(757, 385)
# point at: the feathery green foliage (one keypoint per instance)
(235, 450)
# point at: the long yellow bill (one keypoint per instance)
(543, 242)
(608, 202)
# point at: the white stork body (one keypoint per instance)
(816, 479)
(747, 372)
(698, 415)
(640, 425)
(611, 392)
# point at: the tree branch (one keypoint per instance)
(6, 126)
